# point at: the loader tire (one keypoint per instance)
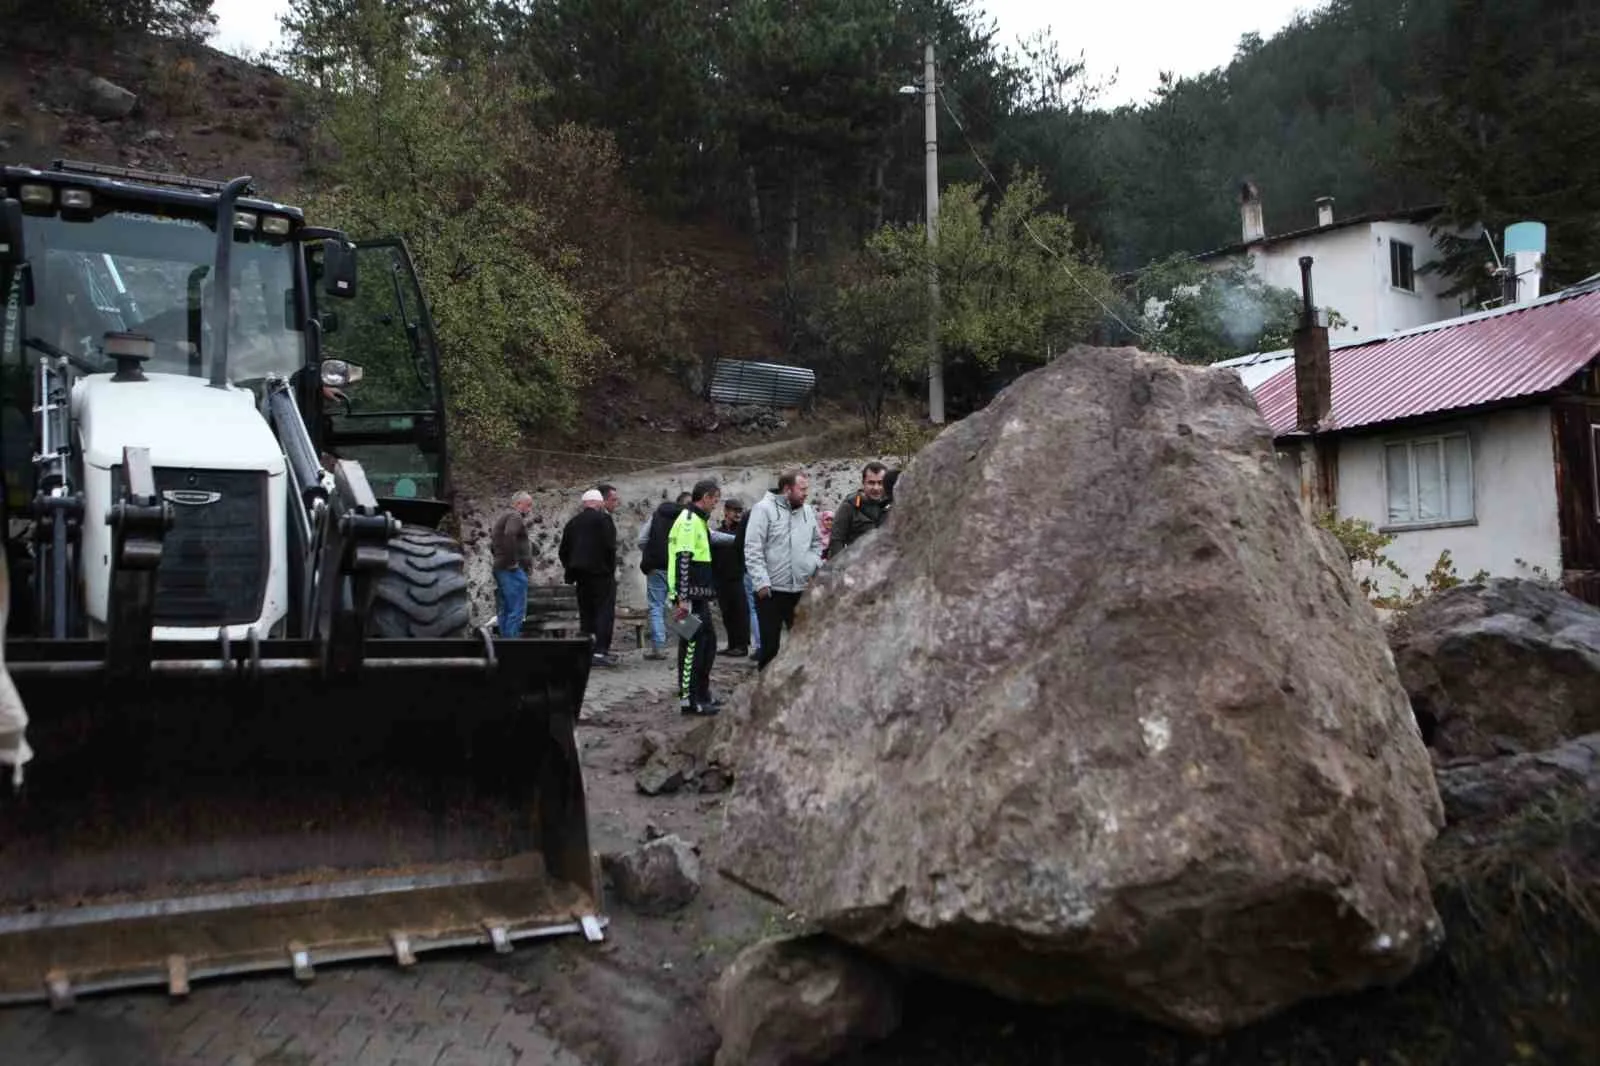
(424, 592)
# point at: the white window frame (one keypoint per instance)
(1394, 279)
(1410, 444)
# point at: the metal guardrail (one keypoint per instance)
(740, 382)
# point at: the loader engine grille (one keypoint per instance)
(214, 559)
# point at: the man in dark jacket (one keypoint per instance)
(752, 626)
(727, 563)
(653, 564)
(863, 510)
(588, 555)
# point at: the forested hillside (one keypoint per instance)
(1491, 107)
(548, 159)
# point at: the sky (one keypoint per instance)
(1134, 39)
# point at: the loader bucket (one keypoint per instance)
(232, 810)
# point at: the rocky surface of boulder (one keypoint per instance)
(801, 1001)
(1501, 667)
(1096, 715)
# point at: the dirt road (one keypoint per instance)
(633, 999)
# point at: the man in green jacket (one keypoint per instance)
(862, 511)
(691, 587)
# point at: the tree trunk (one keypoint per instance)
(753, 191)
(791, 244)
(878, 194)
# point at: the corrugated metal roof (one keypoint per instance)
(1458, 363)
(737, 381)
(1254, 369)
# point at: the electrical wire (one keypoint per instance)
(1026, 225)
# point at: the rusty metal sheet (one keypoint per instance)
(740, 382)
(1500, 355)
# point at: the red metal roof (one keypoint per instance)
(1450, 365)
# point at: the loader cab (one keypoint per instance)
(95, 253)
(391, 420)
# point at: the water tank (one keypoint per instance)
(1525, 256)
(1525, 237)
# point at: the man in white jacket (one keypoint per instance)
(782, 551)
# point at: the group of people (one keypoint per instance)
(588, 554)
(753, 563)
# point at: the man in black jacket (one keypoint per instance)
(588, 555)
(653, 564)
(727, 564)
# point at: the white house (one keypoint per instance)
(1368, 267)
(1479, 435)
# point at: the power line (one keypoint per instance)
(1026, 225)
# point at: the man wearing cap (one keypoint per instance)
(588, 556)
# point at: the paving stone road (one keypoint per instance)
(442, 1012)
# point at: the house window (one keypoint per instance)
(1428, 480)
(1402, 273)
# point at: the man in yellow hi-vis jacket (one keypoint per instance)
(691, 587)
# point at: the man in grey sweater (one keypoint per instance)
(782, 552)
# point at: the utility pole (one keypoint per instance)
(930, 111)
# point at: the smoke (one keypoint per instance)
(1241, 313)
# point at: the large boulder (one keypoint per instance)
(1097, 714)
(1504, 666)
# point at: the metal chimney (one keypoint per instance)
(1324, 211)
(1252, 225)
(1313, 367)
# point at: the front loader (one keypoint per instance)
(263, 732)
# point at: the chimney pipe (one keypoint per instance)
(1324, 211)
(1313, 369)
(1251, 222)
